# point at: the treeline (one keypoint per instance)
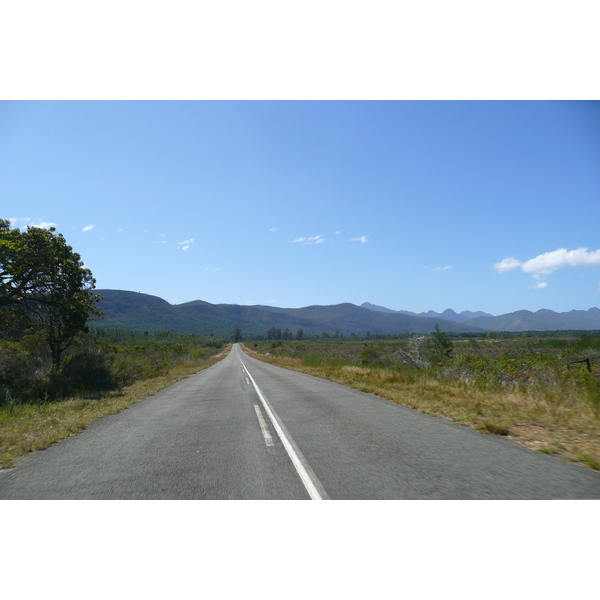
(125, 336)
(96, 362)
(275, 333)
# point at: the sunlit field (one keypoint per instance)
(529, 389)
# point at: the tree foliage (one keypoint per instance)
(441, 345)
(44, 287)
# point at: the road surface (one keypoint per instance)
(243, 429)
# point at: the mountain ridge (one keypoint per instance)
(448, 314)
(134, 310)
(522, 320)
(143, 312)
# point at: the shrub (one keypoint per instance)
(88, 368)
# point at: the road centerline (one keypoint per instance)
(263, 426)
(313, 486)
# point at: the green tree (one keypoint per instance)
(300, 333)
(44, 286)
(441, 344)
(237, 334)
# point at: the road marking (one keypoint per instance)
(263, 426)
(309, 479)
(247, 381)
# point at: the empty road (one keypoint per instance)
(243, 429)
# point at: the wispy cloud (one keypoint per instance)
(186, 245)
(539, 286)
(41, 223)
(88, 228)
(274, 229)
(440, 269)
(315, 239)
(362, 240)
(44, 225)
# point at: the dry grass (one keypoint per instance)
(564, 425)
(28, 427)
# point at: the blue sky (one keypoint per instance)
(407, 204)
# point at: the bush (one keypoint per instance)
(24, 375)
(88, 368)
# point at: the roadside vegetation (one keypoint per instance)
(56, 374)
(526, 387)
(102, 373)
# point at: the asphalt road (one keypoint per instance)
(243, 429)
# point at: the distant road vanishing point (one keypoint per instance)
(243, 429)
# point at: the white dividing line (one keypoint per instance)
(311, 483)
(263, 426)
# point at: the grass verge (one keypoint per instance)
(560, 424)
(25, 428)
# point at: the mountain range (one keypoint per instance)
(448, 314)
(521, 320)
(143, 312)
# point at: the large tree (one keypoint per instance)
(44, 286)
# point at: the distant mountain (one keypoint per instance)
(383, 309)
(541, 320)
(448, 314)
(143, 312)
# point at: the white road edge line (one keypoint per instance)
(263, 426)
(288, 444)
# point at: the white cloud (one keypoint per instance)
(440, 269)
(508, 264)
(186, 245)
(44, 225)
(274, 229)
(362, 240)
(539, 286)
(547, 263)
(315, 239)
(88, 228)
